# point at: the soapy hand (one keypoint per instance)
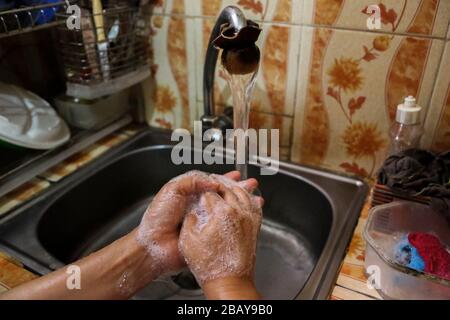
(219, 235)
(127, 265)
(160, 227)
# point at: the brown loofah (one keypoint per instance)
(240, 55)
(241, 61)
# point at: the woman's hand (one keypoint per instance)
(160, 227)
(124, 267)
(218, 240)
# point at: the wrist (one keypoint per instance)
(231, 288)
(152, 250)
(140, 267)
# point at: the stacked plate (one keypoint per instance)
(28, 121)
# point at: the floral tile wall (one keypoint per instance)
(170, 92)
(347, 98)
(330, 85)
(286, 11)
(422, 17)
(438, 119)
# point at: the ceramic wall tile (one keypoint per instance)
(168, 7)
(349, 86)
(343, 86)
(158, 6)
(253, 9)
(170, 92)
(437, 126)
(424, 17)
(283, 11)
(260, 120)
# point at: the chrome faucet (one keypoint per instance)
(228, 27)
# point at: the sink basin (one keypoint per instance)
(297, 217)
(309, 217)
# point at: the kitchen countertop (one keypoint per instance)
(12, 273)
(350, 284)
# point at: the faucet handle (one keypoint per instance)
(225, 120)
(208, 121)
(219, 124)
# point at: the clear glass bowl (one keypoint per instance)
(386, 226)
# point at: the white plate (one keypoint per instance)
(29, 121)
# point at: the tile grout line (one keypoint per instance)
(297, 79)
(434, 91)
(310, 25)
(402, 34)
(297, 75)
(436, 77)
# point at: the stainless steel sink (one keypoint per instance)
(309, 217)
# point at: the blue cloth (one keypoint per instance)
(408, 256)
(40, 16)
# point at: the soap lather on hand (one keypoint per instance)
(220, 220)
(218, 242)
(218, 238)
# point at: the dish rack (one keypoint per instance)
(108, 53)
(25, 19)
(383, 195)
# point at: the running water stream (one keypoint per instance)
(242, 86)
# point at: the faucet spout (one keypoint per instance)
(232, 33)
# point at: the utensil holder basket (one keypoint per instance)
(102, 58)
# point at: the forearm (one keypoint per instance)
(231, 288)
(116, 272)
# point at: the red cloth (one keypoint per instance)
(433, 253)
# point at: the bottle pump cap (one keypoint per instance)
(409, 112)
